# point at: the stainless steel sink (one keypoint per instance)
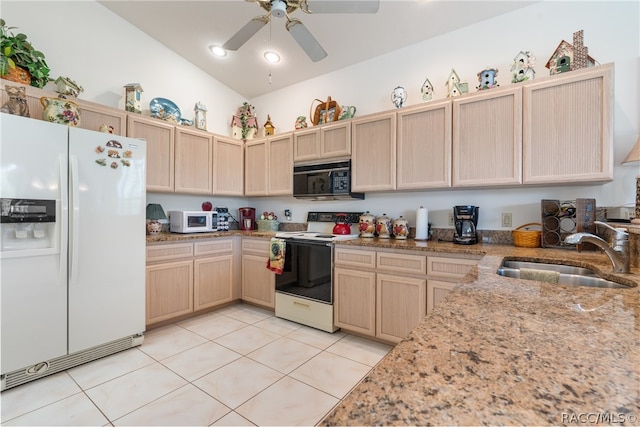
(568, 275)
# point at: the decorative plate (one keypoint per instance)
(162, 108)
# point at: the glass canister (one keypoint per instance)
(400, 228)
(367, 225)
(383, 226)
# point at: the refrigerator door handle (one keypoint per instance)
(62, 213)
(74, 220)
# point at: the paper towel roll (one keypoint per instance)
(422, 223)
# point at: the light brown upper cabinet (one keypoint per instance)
(322, 142)
(487, 138)
(228, 166)
(568, 130)
(373, 157)
(160, 137)
(194, 161)
(424, 146)
(93, 116)
(269, 166)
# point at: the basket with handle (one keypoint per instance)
(527, 238)
(325, 112)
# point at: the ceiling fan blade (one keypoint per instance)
(306, 40)
(246, 32)
(344, 6)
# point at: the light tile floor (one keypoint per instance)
(237, 366)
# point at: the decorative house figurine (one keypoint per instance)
(427, 90)
(398, 96)
(522, 67)
(454, 86)
(269, 128)
(569, 57)
(244, 124)
(66, 86)
(133, 98)
(301, 122)
(487, 78)
(201, 116)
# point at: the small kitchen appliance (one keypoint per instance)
(465, 220)
(304, 290)
(192, 221)
(324, 181)
(247, 218)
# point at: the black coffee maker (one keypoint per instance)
(465, 220)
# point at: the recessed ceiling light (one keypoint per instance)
(217, 50)
(271, 57)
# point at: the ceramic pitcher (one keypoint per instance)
(59, 110)
(348, 112)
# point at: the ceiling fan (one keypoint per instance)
(304, 38)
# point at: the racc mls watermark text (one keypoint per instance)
(622, 418)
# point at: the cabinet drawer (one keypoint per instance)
(169, 251)
(259, 246)
(454, 268)
(355, 258)
(212, 247)
(402, 263)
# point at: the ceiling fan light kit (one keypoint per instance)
(271, 57)
(218, 50)
(278, 8)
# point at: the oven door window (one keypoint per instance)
(307, 271)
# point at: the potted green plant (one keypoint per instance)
(16, 51)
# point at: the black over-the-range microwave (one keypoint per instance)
(324, 181)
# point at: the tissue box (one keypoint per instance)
(267, 225)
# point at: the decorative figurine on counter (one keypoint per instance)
(301, 122)
(522, 67)
(133, 98)
(244, 124)
(17, 103)
(427, 90)
(66, 86)
(201, 116)
(399, 96)
(569, 57)
(454, 86)
(269, 128)
(487, 78)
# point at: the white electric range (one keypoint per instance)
(320, 227)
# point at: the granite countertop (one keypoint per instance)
(505, 351)
(179, 237)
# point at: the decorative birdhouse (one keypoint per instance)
(244, 124)
(487, 78)
(133, 96)
(201, 116)
(522, 67)
(454, 86)
(66, 86)
(568, 57)
(269, 128)
(427, 90)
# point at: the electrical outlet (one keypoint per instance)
(506, 219)
(287, 214)
(451, 218)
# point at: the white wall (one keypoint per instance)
(90, 44)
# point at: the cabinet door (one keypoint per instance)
(424, 146)
(228, 167)
(335, 140)
(193, 162)
(437, 290)
(160, 137)
(256, 168)
(487, 138)
(169, 290)
(306, 144)
(568, 127)
(402, 303)
(280, 165)
(213, 280)
(355, 300)
(258, 283)
(92, 116)
(373, 159)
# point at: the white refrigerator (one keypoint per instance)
(72, 259)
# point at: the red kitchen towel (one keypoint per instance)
(275, 262)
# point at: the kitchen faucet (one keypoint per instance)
(618, 251)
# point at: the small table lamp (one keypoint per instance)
(634, 156)
(154, 213)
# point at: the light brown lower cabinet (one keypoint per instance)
(258, 283)
(401, 304)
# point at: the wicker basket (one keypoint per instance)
(325, 112)
(267, 225)
(527, 238)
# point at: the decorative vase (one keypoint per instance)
(58, 110)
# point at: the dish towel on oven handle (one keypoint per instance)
(277, 249)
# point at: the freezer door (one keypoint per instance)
(33, 256)
(107, 192)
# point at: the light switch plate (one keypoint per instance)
(506, 219)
